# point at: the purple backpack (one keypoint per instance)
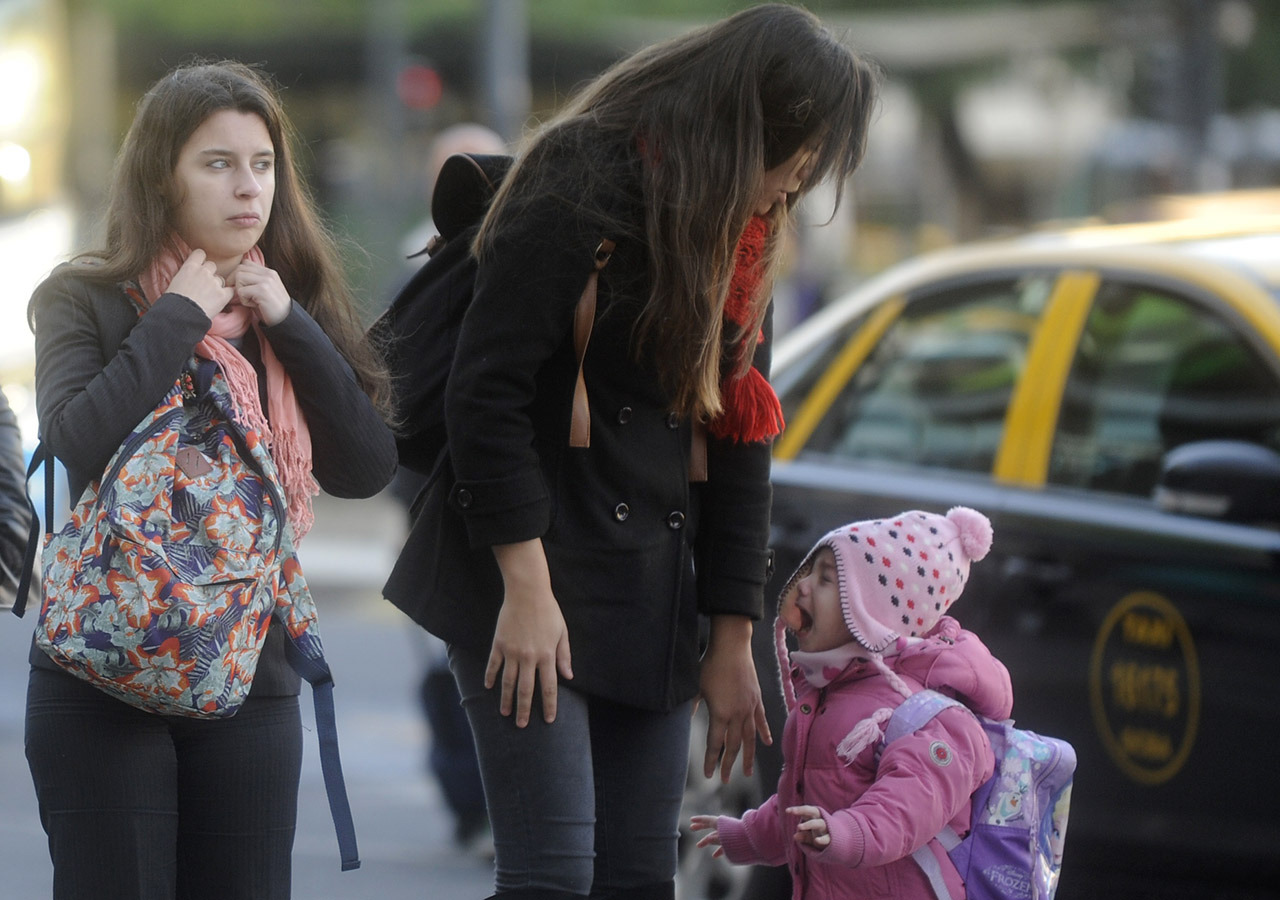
(1018, 824)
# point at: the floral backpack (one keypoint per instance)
(160, 587)
(1018, 823)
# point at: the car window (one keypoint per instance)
(799, 378)
(1154, 370)
(934, 390)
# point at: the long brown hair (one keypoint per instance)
(708, 113)
(296, 243)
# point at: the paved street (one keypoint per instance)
(401, 823)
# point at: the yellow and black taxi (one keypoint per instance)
(1110, 398)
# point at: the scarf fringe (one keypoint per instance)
(752, 412)
(301, 485)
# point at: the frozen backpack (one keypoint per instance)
(1013, 850)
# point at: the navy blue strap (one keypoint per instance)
(33, 536)
(317, 673)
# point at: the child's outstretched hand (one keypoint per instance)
(812, 829)
(702, 823)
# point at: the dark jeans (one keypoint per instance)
(589, 804)
(145, 807)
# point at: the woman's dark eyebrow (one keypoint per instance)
(218, 151)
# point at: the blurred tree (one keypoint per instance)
(938, 48)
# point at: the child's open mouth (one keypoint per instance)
(806, 621)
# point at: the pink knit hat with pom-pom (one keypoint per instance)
(899, 575)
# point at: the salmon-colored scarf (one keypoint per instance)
(284, 428)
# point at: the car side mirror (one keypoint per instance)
(1234, 481)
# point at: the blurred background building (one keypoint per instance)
(996, 114)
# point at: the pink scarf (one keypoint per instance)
(284, 428)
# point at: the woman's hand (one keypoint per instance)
(702, 823)
(812, 829)
(260, 288)
(728, 683)
(531, 641)
(199, 282)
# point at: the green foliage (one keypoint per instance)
(1252, 76)
(267, 17)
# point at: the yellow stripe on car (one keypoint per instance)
(1032, 415)
(834, 379)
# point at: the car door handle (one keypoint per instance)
(1040, 572)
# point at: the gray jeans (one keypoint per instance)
(589, 804)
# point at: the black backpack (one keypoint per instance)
(419, 330)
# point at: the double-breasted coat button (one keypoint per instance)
(675, 521)
(464, 498)
(673, 420)
(621, 511)
(624, 415)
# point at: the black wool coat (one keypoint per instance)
(636, 551)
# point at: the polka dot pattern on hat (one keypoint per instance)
(899, 575)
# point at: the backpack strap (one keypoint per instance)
(317, 674)
(912, 714)
(698, 452)
(33, 536)
(932, 870)
(916, 712)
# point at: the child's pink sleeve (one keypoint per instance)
(755, 839)
(923, 783)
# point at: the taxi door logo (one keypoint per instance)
(1144, 687)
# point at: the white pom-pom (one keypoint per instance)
(974, 529)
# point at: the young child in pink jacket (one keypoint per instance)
(867, 609)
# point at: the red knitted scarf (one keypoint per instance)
(751, 411)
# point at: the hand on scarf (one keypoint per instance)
(197, 279)
(260, 288)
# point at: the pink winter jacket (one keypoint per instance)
(878, 815)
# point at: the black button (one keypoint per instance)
(621, 511)
(675, 521)
(673, 421)
(624, 415)
(464, 498)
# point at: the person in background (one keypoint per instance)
(451, 758)
(213, 248)
(867, 608)
(569, 581)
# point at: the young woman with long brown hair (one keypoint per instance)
(213, 248)
(570, 581)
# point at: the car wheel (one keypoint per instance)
(702, 876)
